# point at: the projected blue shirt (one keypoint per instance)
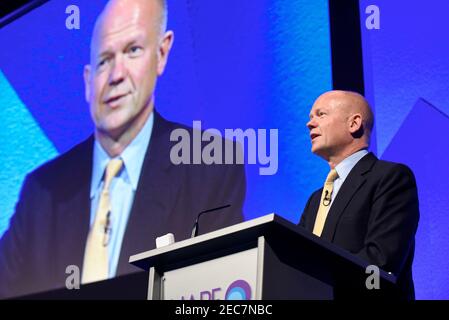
(123, 188)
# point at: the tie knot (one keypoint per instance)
(112, 169)
(332, 176)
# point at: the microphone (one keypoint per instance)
(326, 200)
(196, 224)
(107, 230)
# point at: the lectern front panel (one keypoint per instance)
(232, 277)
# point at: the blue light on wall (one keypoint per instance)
(24, 146)
(406, 76)
(431, 279)
(300, 71)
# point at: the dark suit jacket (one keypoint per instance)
(374, 216)
(49, 229)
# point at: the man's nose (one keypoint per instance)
(118, 72)
(311, 124)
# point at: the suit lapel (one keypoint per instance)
(154, 198)
(352, 184)
(313, 209)
(72, 207)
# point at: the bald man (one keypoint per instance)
(112, 195)
(366, 206)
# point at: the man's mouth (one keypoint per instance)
(313, 136)
(115, 99)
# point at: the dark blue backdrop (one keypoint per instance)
(407, 79)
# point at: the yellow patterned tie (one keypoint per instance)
(325, 203)
(96, 260)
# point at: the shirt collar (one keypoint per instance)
(132, 157)
(345, 167)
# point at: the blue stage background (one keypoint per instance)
(406, 70)
(247, 64)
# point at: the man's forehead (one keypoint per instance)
(120, 38)
(336, 101)
(320, 104)
(114, 22)
(327, 103)
(123, 23)
(344, 99)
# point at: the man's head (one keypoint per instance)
(340, 124)
(129, 50)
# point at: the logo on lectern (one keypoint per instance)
(239, 290)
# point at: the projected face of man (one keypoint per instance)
(129, 50)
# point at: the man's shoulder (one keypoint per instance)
(73, 162)
(385, 173)
(386, 167)
(192, 139)
(165, 126)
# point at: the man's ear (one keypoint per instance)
(86, 75)
(355, 122)
(164, 51)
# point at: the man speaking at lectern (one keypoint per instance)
(367, 206)
(113, 194)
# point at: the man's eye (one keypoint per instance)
(135, 51)
(102, 63)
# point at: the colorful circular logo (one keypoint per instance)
(239, 290)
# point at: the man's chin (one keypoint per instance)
(315, 149)
(319, 152)
(112, 131)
